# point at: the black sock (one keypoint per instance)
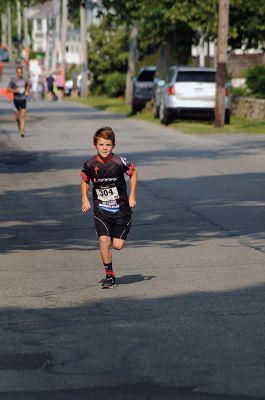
(108, 269)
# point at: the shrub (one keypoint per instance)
(97, 86)
(255, 80)
(239, 91)
(114, 84)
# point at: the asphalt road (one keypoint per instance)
(187, 319)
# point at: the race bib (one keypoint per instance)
(107, 194)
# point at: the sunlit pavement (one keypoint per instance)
(187, 319)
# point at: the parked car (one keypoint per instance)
(143, 86)
(4, 56)
(188, 91)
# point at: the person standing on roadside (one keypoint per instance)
(59, 81)
(20, 88)
(50, 87)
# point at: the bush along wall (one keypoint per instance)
(255, 80)
(114, 84)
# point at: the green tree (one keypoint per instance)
(108, 52)
(164, 21)
(247, 23)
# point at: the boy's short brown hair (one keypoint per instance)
(105, 133)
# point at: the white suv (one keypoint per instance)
(189, 91)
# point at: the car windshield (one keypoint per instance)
(146, 76)
(195, 76)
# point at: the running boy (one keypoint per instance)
(112, 207)
(20, 88)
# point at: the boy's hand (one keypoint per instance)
(85, 206)
(132, 201)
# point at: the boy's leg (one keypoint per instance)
(118, 244)
(104, 234)
(120, 232)
(105, 252)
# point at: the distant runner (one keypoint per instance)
(20, 88)
(112, 207)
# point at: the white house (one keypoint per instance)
(42, 17)
(73, 47)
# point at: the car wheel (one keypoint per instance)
(134, 110)
(163, 115)
(227, 117)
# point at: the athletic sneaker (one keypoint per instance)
(21, 133)
(109, 282)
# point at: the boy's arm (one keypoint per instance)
(133, 184)
(85, 207)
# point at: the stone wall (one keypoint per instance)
(238, 63)
(249, 108)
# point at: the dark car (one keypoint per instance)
(4, 56)
(143, 86)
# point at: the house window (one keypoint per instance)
(39, 24)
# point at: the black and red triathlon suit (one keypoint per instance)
(112, 213)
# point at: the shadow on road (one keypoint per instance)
(169, 210)
(33, 161)
(130, 279)
(176, 347)
(170, 213)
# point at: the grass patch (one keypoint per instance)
(237, 125)
(117, 105)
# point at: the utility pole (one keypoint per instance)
(64, 33)
(132, 56)
(9, 33)
(19, 26)
(56, 33)
(48, 55)
(4, 28)
(83, 33)
(221, 59)
(26, 26)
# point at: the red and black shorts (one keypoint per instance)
(114, 227)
